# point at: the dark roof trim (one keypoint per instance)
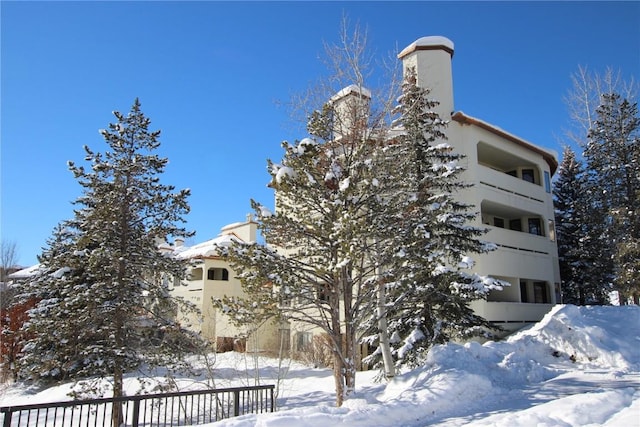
(551, 160)
(416, 48)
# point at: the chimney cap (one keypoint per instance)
(351, 89)
(428, 43)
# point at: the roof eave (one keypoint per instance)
(551, 160)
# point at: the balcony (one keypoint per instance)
(510, 312)
(516, 240)
(510, 189)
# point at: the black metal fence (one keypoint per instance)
(163, 410)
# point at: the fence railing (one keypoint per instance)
(163, 410)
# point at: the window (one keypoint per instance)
(527, 175)
(195, 274)
(547, 182)
(540, 293)
(512, 173)
(498, 222)
(218, 274)
(303, 340)
(515, 224)
(535, 226)
(523, 291)
(558, 292)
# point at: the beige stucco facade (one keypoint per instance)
(210, 276)
(511, 192)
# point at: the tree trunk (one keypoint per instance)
(350, 360)
(349, 343)
(117, 417)
(338, 369)
(385, 346)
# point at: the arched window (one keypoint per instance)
(218, 274)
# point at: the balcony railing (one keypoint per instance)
(510, 312)
(510, 185)
(518, 240)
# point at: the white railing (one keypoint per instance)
(507, 312)
(511, 185)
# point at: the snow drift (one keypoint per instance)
(578, 366)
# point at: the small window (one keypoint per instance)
(303, 340)
(552, 230)
(218, 274)
(527, 175)
(540, 293)
(515, 224)
(512, 173)
(195, 274)
(547, 182)
(535, 226)
(498, 222)
(523, 291)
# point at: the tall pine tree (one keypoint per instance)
(613, 159)
(430, 285)
(578, 236)
(105, 307)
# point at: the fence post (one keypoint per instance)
(273, 403)
(236, 403)
(7, 418)
(136, 412)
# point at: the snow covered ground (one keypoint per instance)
(579, 366)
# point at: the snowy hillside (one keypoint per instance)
(579, 366)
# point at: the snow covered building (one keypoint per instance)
(210, 276)
(511, 191)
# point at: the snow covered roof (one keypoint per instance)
(209, 248)
(355, 89)
(550, 156)
(428, 43)
(25, 273)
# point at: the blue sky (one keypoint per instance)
(213, 75)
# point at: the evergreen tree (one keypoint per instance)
(429, 286)
(578, 236)
(316, 269)
(104, 303)
(613, 158)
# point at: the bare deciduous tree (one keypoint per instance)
(8, 258)
(584, 98)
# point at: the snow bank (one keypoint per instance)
(507, 377)
(578, 366)
(593, 336)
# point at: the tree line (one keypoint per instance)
(597, 195)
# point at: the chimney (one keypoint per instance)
(246, 231)
(431, 58)
(351, 109)
(178, 242)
